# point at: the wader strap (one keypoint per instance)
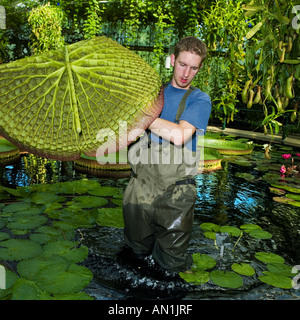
(181, 106)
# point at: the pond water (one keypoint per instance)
(235, 195)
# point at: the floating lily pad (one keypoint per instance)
(295, 203)
(208, 226)
(226, 279)
(243, 269)
(88, 202)
(232, 231)
(63, 279)
(29, 268)
(276, 280)
(293, 196)
(260, 234)
(277, 191)
(46, 234)
(110, 217)
(16, 207)
(287, 188)
(105, 191)
(269, 257)
(26, 222)
(118, 202)
(250, 227)
(79, 218)
(24, 289)
(246, 176)
(281, 268)
(203, 261)
(16, 249)
(46, 197)
(196, 277)
(4, 236)
(210, 235)
(2, 224)
(66, 249)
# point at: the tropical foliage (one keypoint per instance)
(254, 45)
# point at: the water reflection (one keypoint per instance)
(223, 198)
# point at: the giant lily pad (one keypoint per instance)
(228, 147)
(94, 95)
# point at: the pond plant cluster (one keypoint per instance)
(45, 224)
(39, 226)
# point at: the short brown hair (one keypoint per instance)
(191, 44)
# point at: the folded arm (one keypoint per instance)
(173, 132)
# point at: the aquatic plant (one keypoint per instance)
(79, 99)
(278, 274)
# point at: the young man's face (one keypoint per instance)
(186, 67)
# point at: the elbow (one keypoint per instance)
(178, 140)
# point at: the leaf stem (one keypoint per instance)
(73, 93)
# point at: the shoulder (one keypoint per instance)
(199, 98)
(197, 94)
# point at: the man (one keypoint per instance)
(159, 200)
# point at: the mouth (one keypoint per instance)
(183, 80)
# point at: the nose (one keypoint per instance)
(186, 72)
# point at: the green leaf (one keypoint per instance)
(256, 28)
(210, 235)
(4, 236)
(293, 196)
(260, 234)
(243, 269)
(26, 222)
(62, 279)
(281, 268)
(105, 191)
(2, 224)
(232, 231)
(227, 279)
(197, 277)
(29, 268)
(61, 104)
(203, 261)
(276, 280)
(269, 257)
(24, 289)
(250, 227)
(46, 234)
(66, 249)
(16, 249)
(79, 218)
(87, 202)
(110, 217)
(46, 197)
(208, 226)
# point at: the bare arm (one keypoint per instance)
(173, 132)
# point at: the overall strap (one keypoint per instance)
(181, 106)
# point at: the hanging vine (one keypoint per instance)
(46, 25)
(92, 23)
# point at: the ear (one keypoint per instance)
(173, 59)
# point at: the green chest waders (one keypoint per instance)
(158, 203)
